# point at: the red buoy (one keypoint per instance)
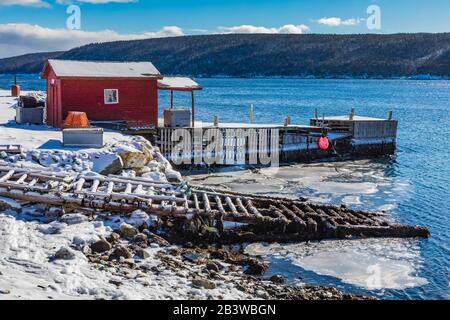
(324, 143)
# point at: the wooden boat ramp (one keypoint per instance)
(204, 213)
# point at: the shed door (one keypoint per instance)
(55, 116)
(52, 105)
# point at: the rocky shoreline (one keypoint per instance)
(205, 267)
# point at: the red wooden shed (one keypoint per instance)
(105, 91)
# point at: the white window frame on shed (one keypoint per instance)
(117, 95)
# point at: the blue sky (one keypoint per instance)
(40, 25)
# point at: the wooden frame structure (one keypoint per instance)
(273, 219)
(180, 84)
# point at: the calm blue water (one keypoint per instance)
(422, 160)
(26, 81)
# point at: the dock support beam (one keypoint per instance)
(193, 109)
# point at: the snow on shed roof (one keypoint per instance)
(102, 69)
(178, 83)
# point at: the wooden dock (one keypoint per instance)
(243, 144)
(368, 136)
(349, 136)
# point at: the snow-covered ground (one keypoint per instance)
(35, 136)
(30, 236)
(28, 272)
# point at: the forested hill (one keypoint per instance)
(29, 63)
(245, 55)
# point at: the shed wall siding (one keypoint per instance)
(138, 100)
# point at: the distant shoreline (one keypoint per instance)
(421, 77)
(367, 56)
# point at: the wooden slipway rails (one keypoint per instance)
(263, 218)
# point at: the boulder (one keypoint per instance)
(78, 241)
(134, 158)
(138, 219)
(140, 238)
(153, 166)
(194, 257)
(256, 267)
(64, 253)
(203, 283)
(147, 149)
(9, 204)
(155, 176)
(72, 219)
(121, 251)
(161, 159)
(127, 230)
(100, 246)
(142, 253)
(143, 170)
(106, 164)
(115, 282)
(55, 213)
(278, 279)
(173, 176)
(113, 238)
(210, 265)
(157, 239)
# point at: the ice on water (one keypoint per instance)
(371, 264)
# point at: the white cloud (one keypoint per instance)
(336, 22)
(32, 3)
(289, 28)
(16, 39)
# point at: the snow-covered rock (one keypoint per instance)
(127, 230)
(74, 218)
(153, 165)
(100, 246)
(173, 176)
(107, 164)
(134, 159)
(9, 204)
(64, 253)
(155, 176)
(139, 218)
